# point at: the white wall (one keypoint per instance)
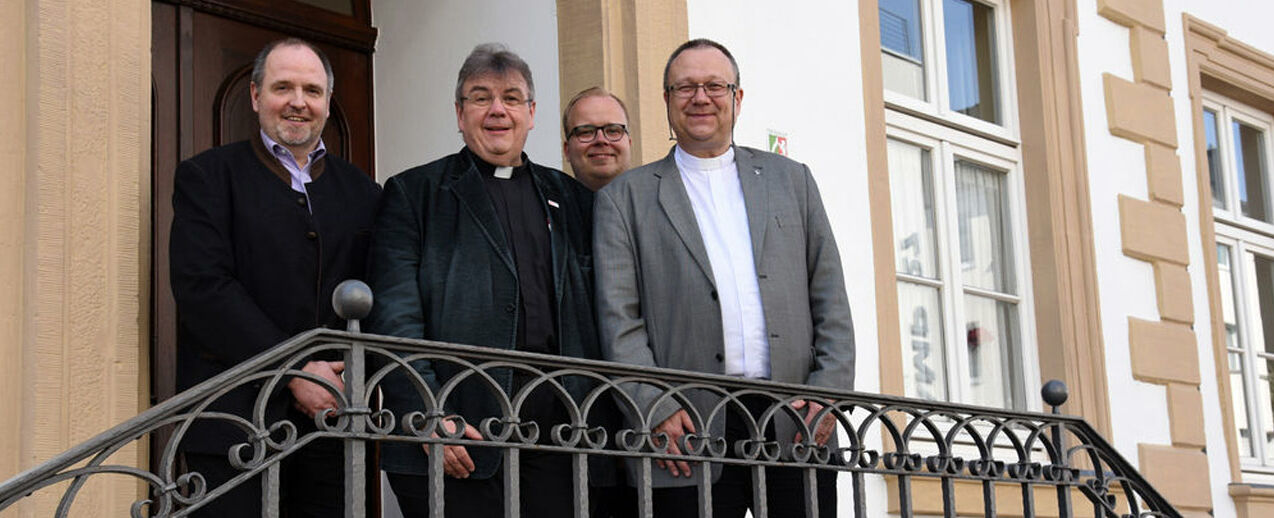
(1117, 166)
(418, 54)
(799, 67)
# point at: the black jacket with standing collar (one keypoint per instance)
(252, 266)
(442, 269)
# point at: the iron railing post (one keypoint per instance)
(352, 301)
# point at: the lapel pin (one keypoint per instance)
(756, 171)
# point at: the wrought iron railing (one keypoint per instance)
(898, 440)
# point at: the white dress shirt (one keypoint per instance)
(717, 197)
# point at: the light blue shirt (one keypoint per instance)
(717, 198)
(300, 175)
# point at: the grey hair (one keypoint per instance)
(493, 58)
(258, 65)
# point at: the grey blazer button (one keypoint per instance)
(714, 294)
(720, 357)
(510, 307)
(311, 235)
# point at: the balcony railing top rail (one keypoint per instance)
(900, 439)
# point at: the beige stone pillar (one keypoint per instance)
(74, 235)
(622, 45)
(12, 163)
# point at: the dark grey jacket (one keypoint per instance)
(442, 269)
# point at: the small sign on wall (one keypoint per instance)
(778, 142)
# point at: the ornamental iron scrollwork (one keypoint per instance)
(898, 440)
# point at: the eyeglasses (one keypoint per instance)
(713, 89)
(588, 132)
(483, 100)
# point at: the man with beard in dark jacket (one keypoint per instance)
(263, 231)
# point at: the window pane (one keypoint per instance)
(911, 186)
(1214, 159)
(1260, 300)
(971, 78)
(902, 62)
(1249, 160)
(1239, 389)
(992, 345)
(986, 256)
(1229, 306)
(1263, 409)
(923, 363)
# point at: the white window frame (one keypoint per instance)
(938, 103)
(945, 146)
(1244, 236)
(1243, 243)
(1228, 111)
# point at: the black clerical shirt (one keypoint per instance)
(526, 227)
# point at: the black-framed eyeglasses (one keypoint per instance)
(588, 132)
(483, 100)
(713, 89)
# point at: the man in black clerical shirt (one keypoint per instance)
(484, 247)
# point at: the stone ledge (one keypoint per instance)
(1174, 293)
(1185, 411)
(1129, 13)
(1139, 112)
(1180, 474)
(1153, 231)
(1150, 57)
(1163, 352)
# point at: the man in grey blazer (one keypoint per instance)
(720, 259)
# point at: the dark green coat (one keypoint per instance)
(441, 269)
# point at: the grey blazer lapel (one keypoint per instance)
(676, 205)
(755, 182)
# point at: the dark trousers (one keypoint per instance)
(544, 481)
(310, 483)
(612, 502)
(732, 493)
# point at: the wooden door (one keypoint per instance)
(202, 53)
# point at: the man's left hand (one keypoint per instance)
(823, 431)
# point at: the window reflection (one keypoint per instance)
(911, 187)
(984, 234)
(1229, 314)
(1214, 159)
(1249, 161)
(992, 344)
(970, 43)
(901, 40)
(924, 362)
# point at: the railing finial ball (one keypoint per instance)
(1054, 393)
(352, 299)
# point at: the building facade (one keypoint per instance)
(1022, 190)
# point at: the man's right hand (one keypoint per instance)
(455, 459)
(675, 426)
(310, 397)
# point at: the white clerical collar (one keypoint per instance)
(689, 162)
